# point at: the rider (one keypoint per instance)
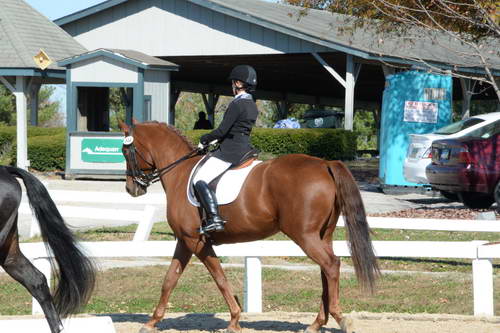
(233, 134)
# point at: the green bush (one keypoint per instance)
(45, 153)
(47, 146)
(332, 144)
(7, 135)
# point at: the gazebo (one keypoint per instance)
(30, 45)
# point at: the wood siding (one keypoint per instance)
(180, 28)
(104, 70)
(157, 85)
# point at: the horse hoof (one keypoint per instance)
(310, 330)
(230, 330)
(346, 325)
(145, 329)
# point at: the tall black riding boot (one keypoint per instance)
(208, 202)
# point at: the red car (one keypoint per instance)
(468, 168)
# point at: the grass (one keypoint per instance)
(137, 290)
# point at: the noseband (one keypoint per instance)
(146, 177)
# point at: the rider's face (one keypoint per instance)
(237, 86)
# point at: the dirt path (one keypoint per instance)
(296, 322)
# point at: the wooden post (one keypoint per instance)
(349, 94)
(22, 127)
(253, 285)
(35, 89)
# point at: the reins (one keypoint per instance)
(146, 179)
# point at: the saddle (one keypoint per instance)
(228, 184)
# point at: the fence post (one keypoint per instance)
(253, 285)
(145, 224)
(43, 265)
(482, 283)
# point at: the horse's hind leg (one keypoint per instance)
(23, 271)
(320, 250)
(181, 258)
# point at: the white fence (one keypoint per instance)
(143, 217)
(480, 253)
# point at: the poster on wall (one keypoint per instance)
(421, 112)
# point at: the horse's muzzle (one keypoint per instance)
(135, 189)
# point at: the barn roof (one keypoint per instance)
(327, 29)
(24, 32)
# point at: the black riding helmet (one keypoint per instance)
(245, 74)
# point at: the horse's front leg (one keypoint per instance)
(212, 263)
(181, 258)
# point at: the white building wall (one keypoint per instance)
(177, 27)
(105, 70)
(157, 85)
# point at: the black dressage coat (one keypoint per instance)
(233, 132)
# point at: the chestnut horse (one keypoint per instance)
(76, 275)
(299, 195)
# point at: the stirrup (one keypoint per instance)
(212, 227)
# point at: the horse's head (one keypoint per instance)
(140, 164)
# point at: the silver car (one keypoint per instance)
(419, 150)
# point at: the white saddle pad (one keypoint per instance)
(229, 185)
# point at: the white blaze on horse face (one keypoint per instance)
(128, 140)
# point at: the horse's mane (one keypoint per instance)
(173, 129)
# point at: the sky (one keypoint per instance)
(54, 9)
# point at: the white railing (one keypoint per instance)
(479, 252)
(144, 217)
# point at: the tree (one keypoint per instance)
(48, 110)
(472, 25)
(7, 106)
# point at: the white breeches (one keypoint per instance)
(212, 168)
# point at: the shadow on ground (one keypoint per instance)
(209, 323)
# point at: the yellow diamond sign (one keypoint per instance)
(42, 60)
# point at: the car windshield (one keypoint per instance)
(458, 126)
(485, 131)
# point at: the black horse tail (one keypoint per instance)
(76, 276)
(351, 206)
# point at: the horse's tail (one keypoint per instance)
(351, 206)
(76, 278)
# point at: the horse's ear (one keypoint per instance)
(134, 121)
(124, 127)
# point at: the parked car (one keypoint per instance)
(418, 156)
(468, 168)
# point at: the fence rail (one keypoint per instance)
(479, 252)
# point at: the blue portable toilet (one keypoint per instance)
(414, 102)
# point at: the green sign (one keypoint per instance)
(102, 150)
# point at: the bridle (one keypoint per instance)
(147, 176)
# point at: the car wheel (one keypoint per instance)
(450, 195)
(476, 200)
(496, 194)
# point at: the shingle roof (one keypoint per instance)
(328, 26)
(138, 58)
(24, 31)
(324, 28)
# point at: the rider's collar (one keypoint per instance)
(244, 95)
